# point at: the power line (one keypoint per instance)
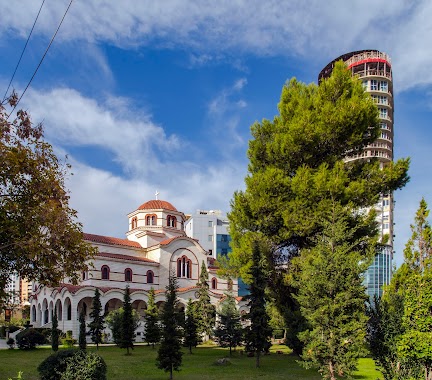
(22, 53)
(40, 62)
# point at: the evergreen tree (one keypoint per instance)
(205, 311)
(418, 250)
(229, 331)
(296, 169)
(127, 325)
(114, 321)
(415, 344)
(332, 298)
(97, 323)
(152, 328)
(54, 332)
(412, 282)
(258, 334)
(191, 336)
(82, 340)
(169, 356)
(383, 333)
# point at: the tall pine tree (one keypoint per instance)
(54, 332)
(169, 356)
(413, 282)
(332, 297)
(205, 311)
(296, 169)
(191, 336)
(97, 323)
(228, 331)
(127, 323)
(82, 340)
(152, 328)
(258, 333)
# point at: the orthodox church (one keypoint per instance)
(155, 246)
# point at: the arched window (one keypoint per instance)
(128, 274)
(151, 220)
(150, 277)
(184, 267)
(134, 222)
(105, 272)
(214, 283)
(33, 318)
(171, 221)
(179, 268)
(69, 312)
(84, 275)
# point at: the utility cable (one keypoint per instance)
(22, 53)
(40, 62)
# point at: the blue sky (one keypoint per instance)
(160, 95)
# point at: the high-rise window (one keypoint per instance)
(382, 113)
(374, 85)
(383, 86)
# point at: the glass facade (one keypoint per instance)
(223, 248)
(379, 273)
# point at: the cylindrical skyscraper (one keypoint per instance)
(374, 70)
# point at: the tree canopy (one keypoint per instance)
(299, 168)
(40, 238)
(152, 333)
(332, 299)
(97, 323)
(229, 330)
(169, 356)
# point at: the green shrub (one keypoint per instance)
(68, 341)
(29, 339)
(86, 366)
(54, 365)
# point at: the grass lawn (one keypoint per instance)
(198, 366)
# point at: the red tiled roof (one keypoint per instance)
(74, 288)
(168, 241)
(124, 257)
(111, 240)
(157, 205)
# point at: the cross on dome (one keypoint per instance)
(156, 194)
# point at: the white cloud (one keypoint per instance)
(71, 119)
(314, 29)
(103, 198)
(224, 114)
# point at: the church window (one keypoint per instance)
(171, 221)
(128, 274)
(150, 277)
(134, 222)
(84, 275)
(105, 272)
(151, 220)
(184, 267)
(214, 283)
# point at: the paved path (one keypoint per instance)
(3, 344)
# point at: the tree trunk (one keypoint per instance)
(257, 362)
(331, 370)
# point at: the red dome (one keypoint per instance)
(157, 205)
